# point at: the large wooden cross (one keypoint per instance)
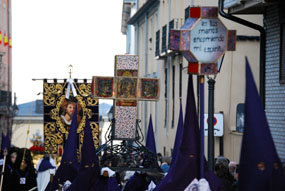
(126, 88)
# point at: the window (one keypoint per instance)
(0, 15)
(10, 19)
(165, 82)
(4, 18)
(282, 54)
(170, 27)
(157, 37)
(173, 95)
(165, 96)
(163, 40)
(187, 11)
(180, 78)
(240, 113)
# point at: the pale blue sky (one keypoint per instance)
(49, 35)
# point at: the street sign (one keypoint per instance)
(218, 124)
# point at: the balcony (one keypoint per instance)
(247, 6)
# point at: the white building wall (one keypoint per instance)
(229, 83)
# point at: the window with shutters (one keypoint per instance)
(240, 113)
(4, 18)
(282, 54)
(170, 27)
(187, 11)
(163, 39)
(9, 20)
(0, 15)
(173, 95)
(157, 37)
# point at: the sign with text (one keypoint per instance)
(208, 40)
(203, 40)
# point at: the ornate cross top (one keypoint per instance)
(70, 68)
(126, 88)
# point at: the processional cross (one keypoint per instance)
(126, 88)
(203, 41)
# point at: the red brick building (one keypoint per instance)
(6, 109)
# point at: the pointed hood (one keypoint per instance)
(45, 165)
(186, 167)
(69, 166)
(260, 167)
(137, 182)
(89, 167)
(113, 184)
(70, 148)
(180, 175)
(88, 151)
(178, 137)
(6, 142)
(150, 141)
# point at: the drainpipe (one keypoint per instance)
(261, 49)
(146, 67)
(168, 75)
(137, 39)
(158, 76)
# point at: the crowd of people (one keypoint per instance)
(21, 175)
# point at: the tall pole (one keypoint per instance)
(202, 127)
(3, 168)
(211, 146)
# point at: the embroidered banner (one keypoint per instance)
(58, 111)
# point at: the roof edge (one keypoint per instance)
(150, 4)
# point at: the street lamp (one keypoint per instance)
(211, 143)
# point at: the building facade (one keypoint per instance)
(152, 21)
(6, 109)
(274, 26)
(29, 117)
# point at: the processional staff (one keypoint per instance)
(3, 168)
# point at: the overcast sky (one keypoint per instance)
(49, 35)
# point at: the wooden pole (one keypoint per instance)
(3, 168)
(28, 131)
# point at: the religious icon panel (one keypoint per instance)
(149, 89)
(58, 112)
(103, 87)
(126, 88)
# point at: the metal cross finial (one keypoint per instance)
(70, 67)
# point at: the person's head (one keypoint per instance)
(221, 166)
(105, 173)
(221, 160)
(232, 167)
(13, 157)
(164, 167)
(69, 109)
(159, 156)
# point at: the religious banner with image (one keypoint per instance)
(58, 112)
